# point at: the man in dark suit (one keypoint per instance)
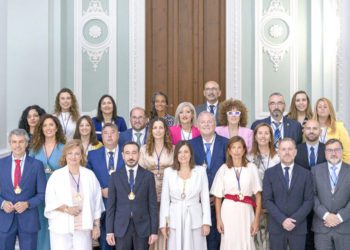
(211, 93)
(282, 126)
(22, 190)
(132, 211)
(309, 154)
(103, 162)
(288, 197)
(209, 150)
(331, 222)
(138, 130)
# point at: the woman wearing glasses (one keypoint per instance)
(233, 119)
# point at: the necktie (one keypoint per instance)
(312, 157)
(211, 108)
(334, 177)
(208, 154)
(131, 179)
(111, 161)
(277, 134)
(18, 175)
(138, 138)
(286, 176)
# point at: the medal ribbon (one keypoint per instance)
(131, 180)
(158, 158)
(76, 182)
(18, 174)
(65, 124)
(48, 158)
(238, 176)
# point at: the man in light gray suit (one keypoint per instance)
(211, 93)
(331, 222)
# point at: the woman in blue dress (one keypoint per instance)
(47, 145)
(107, 113)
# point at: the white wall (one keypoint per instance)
(27, 57)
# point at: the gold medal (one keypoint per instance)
(18, 190)
(48, 170)
(183, 196)
(131, 196)
(241, 197)
(78, 197)
(158, 175)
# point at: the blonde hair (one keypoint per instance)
(180, 107)
(68, 147)
(331, 118)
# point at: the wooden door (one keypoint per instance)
(185, 47)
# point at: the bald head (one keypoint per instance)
(212, 91)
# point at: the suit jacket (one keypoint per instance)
(325, 201)
(218, 155)
(126, 136)
(291, 128)
(97, 163)
(119, 122)
(204, 107)
(282, 203)
(143, 209)
(33, 184)
(175, 132)
(302, 157)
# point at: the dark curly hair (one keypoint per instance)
(230, 104)
(150, 144)
(74, 108)
(99, 116)
(39, 137)
(23, 122)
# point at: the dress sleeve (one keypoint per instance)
(217, 189)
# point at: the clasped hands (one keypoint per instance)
(289, 224)
(19, 207)
(331, 220)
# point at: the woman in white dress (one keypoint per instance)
(67, 111)
(73, 202)
(236, 182)
(185, 208)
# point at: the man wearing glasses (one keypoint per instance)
(282, 126)
(211, 93)
(331, 222)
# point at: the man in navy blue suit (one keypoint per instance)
(132, 211)
(138, 130)
(103, 162)
(282, 126)
(209, 150)
(310, 153)
(22, 190)
(288, 197)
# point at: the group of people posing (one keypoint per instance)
(198, 180)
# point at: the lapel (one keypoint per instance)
(325, 176)
(281, 176)
(7, 171)
(124, 179)
(27, 169)
(215, 151)
(295, 175)
(320, 153)
(286, 127)
(342, 174)
(200, 146)
(139, 178)
(305, 155)
(193, 182)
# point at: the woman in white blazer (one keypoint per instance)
(185, 207)
(73, 201)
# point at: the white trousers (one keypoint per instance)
(79, 240)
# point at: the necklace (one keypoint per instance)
(184, 136)
(65, 124)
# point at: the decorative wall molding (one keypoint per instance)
(95, 33)
(234, 49)
(275, 36)
(137, 52)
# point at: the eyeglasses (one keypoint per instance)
(333, 150)
(276, 104)
(233, 113)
